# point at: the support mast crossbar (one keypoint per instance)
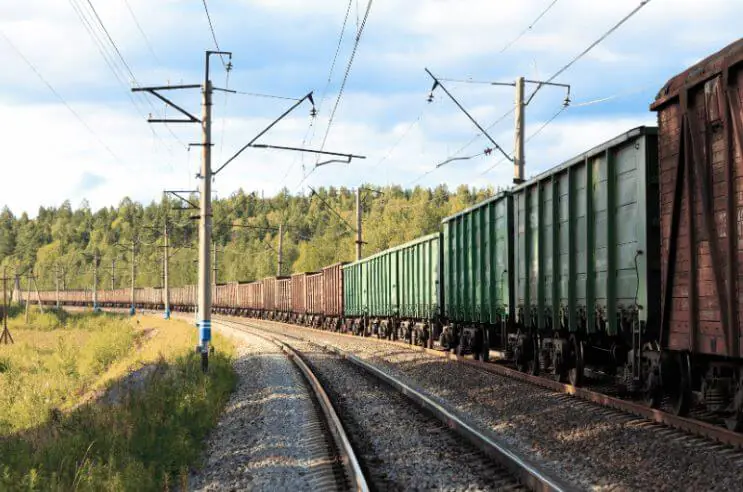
(177, 194)
(191, 118)
(264, 131)
(314, 193)
(437, 83)
(311, 151)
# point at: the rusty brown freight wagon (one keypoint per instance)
(299, 297)
(332, 283)
(314, 298)
(269, 296)
(251, 298)
(701, 200)
(283, 297)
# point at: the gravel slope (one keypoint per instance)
(270, 436)
(598, 449)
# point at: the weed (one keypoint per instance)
(57, 433)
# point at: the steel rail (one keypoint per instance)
(686, 424)
(350, 461)
(487, 442)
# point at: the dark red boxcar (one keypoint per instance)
(314, 290)
(299, 294)
(701, 200)
(283, 294)
(333, 290)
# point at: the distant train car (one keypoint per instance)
(314, 296)
(283, 298)
(395, 293)
(333, 296)
(251, 299)
(298, 298)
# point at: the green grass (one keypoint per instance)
(57, 434)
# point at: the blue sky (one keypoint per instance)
(285, 47)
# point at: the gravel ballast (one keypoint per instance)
(270, 436)
(581, 442)
(400, 447)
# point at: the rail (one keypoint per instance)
(527, 473)
(348, 456)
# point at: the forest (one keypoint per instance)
(59, 246)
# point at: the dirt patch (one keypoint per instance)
(133, 382)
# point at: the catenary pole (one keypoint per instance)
(56, 282)
(5, 338)
(518, 152)
(166, 284)
(28, 293)
(205, 221)
(96, 260)
(133, 308)
(280, 263)
(358, 224)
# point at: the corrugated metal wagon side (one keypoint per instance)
(283, 298)
(314, 299)
(333, 286)
(269, 297)
(395, 293)
(298, 297)
(419, 289)
(477, 265)
(586, 260)
(700, 116)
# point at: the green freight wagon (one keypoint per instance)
(586, 260)
(477, 265)
(395, 293)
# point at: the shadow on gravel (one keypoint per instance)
(142, 433)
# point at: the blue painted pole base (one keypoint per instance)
(205, 332)
(96, 308)
(166, 314)
(132, 310)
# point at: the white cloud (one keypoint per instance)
(285, 46)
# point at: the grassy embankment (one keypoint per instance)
(72, 416)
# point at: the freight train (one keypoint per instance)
(623, 261)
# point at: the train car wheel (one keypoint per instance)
(652, 390)
(533, 364)
(681, 396)
(575, 373)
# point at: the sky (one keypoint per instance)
(73, 130)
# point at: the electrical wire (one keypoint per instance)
(271, 96)
(591, 46)
(345, 76)
(59, 96)
(110, 60)
(533, 23)
(465, 146)
(113, 43)
(214, 34)
(530, 137)
(141, 31)
(400, 139)
(591, 102)
(330, 74)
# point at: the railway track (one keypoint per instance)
(701, 427)
(403, 439)
(340, 449)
